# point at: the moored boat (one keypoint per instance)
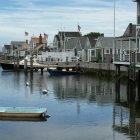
(12, 65)
(23, 112)
(64, 71)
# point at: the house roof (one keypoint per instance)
(130, 31)
(62, 35)
(7, 47)
(69, 34)
(104, 42)
(57, 37)
(17, 42)
(78, 42)
(83, 41)
(71, 44)
(92, 42)
(36, 40)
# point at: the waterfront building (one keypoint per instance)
(102, 51)
(5, 51)
(62, 37)
(79, 46)
(38, 44)
(76, 49)
(132, 37)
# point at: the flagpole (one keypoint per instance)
(64, 41)
(114, 17)
(114, 30)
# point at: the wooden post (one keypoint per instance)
(14, 64)
(117, 83)
(25, 65)
(117, 70)
(128, 86)
(138, 86)
(17, 61)
(31, 64)
(41, 71)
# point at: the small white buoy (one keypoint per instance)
(44, 91)
(27, 84)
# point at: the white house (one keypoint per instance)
(76, 49)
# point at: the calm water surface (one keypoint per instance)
(81, 108)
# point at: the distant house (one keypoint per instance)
(80, 46)
(18, 48)
(125, 45)
(38, 44)
(130, 31)
(91, 51)
(6, 49)
(76, 49)
(103, 50)
(62, 37)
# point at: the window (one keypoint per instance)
(127, 52)
(111, 51)
(92, 52)
(107, 51)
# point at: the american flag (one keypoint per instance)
(46, 36)
(26, 33)
(79, 28)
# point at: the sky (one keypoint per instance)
(50, 16)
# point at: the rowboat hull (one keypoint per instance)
(22, 112)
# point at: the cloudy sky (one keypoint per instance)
(51, 16)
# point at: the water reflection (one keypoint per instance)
(126, 111)
(76, 103)
(84, 88)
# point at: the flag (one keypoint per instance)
(79, 28)
(26, 33)
(46, 36)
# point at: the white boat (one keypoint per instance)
(11, 66)
(23, 112)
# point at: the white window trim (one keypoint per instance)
(106, 50)
(94, 53)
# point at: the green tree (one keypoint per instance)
(94, 34)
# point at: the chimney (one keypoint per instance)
(130, 28)
(40, 39)
(26, 41)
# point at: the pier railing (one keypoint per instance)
(121, 58)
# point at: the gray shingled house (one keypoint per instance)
(103, 50)
(6, 50)
(125, 44)
(80, 46)
(62, 37)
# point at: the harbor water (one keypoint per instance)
(81, 107)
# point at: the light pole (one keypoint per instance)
(114, 31)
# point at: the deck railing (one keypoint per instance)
(123, 58)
